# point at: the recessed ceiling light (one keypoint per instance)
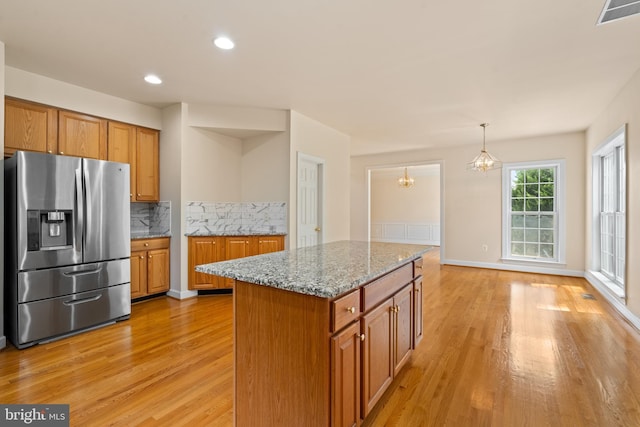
(153, 79)
(224, 43)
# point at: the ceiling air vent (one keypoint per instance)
(618, 9)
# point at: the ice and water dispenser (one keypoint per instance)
(49, 230)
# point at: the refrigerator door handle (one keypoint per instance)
(82, 300)
(79, 232)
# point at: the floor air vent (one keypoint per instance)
(588, 296)
(618, 9)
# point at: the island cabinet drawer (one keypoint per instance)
(344, 310)
(417, 267)
(387, 285)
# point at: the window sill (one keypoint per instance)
(523, 261)
(613, 287)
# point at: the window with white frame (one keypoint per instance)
(609, 200)
(533, 211)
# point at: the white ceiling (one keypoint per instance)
(395, 75)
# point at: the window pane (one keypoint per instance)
(532, 175)
(517, 235)
(532, 205)
(517, 205)
(546, 251)
(546, 190)
(531, 221)
(517, 220)
(517, 249)
(531, 236)
(546, 221)
(532, 190)
(531, 249)
(546, 236)
(517, 190)
(546, 205)
(547, 175)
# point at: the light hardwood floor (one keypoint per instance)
(500, 349)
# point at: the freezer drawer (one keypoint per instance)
(49, 318)
(55, 282)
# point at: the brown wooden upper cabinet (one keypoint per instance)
(147, 165)
(29, 127)
(139, 148)
(80, 135)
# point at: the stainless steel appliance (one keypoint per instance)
(67, 245)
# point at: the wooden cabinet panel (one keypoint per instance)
(377, 358)
(204, 250)
(345, 377)
(81, 135)
(138, 274)
(158, 271)
(147, 159)
(403, 329)
(268, 244)
(29, 127)
(121, 148)
(417, 312)
(345, 310)
(150, 260)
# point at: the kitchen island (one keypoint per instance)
(321, 332)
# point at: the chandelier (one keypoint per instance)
(484, 161)
(405, 181)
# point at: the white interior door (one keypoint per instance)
(309, 228)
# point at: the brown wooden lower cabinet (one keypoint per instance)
(281, 339)
(208, 249)
(149, 266)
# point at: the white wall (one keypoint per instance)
(625, 108)
(473, 202)
(265, 168)
(37, 88)
(313, 138)
(392, 203)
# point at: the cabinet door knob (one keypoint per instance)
(50, 151)
(362, 337)
(351, 310)
(247, 242)
(138, 194)
(150, 257)
(62, 152)
(141, 257)
(130, 194)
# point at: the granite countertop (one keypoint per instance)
(325, 270)
(138, 236)
(209, 233)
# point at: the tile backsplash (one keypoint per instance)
(239, 218)
(151, 218)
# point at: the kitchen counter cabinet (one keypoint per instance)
(149, 267)
(321, 332)
(29, 126)
(208, 249)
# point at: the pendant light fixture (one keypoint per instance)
(484, 161)
(405, 181)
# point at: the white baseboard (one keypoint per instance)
(513, 267)
(615, 301)
(182, 294)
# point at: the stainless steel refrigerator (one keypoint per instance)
(67, 246)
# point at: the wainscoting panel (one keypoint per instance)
(399, 232)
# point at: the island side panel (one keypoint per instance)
(282, 357)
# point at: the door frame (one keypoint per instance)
(440, 163)
(320, 163)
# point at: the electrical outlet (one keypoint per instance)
(485, 248)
